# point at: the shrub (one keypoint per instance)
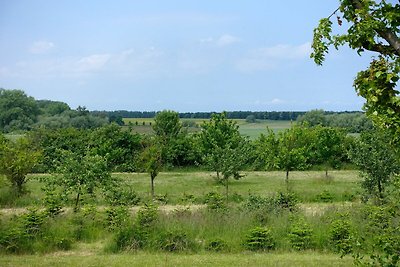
(215, 202)
(146, 216)
(216, 245)
(300, 236)
(122, 195)
(129, 238)
(255, 202)
(259, 238)
(286, 201)
(340, 236)
(116, 217)
(325, 196)
(175, 240)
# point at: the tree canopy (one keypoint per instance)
(372, 26)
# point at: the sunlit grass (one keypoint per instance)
(299, 259)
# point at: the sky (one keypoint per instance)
(182, 55)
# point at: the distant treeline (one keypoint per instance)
(259, 115)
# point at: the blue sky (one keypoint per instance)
(182, 55)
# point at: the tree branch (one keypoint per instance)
(390, 37)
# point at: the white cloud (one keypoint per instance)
(93, 62)
(267, 58)
(226, 40)
(41, 47)
(285, 51)
(223, 40)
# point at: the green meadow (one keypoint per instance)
(252, 130)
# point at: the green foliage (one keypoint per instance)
(122, 195)
(251, 119)
(17, 159)
(225, 150)
(286, 201)
(293, 150)
(259, 238)
(83, 176)
(340, 235)
(117, 217)
(216, 245)
(373, 26)
(300, 236)
(175, 241)
(147, 216)
(17, 110)
(377, 160)
(120, 148)
(325, 197)
(215, 202)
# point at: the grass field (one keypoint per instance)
(143, 259)
(175, 187)
(252, 130)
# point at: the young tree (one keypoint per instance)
(171, 137)
(82, 176)
(152, 158)
(377, 160)
(17, 159)
(372, 26)
(266, 150)
(327, 146)
(224, 149)
(292, 150)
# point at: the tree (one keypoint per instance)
(327, 146)
(313, 118)
(120, 148)
(377, 160)
(82, 176)
(292, 150)
(153, 163)
(17, 159)
(223, 147)
(17, 110)
(373, 26)
(169, 134)
(266, 149)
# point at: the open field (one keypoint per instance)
(186, 186)
(252, 130)
(142, 259)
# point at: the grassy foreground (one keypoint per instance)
(308, 259)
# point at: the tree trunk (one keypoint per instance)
(226, 190)
(77, 201)
(152, 187)
(287, 180)
(380, 190)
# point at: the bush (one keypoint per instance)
(300, 236)
(128, 238)
(325, 196)
(122, 195)
(215, 202)
(340, 236)
(147, 216)
(175, 240)
(116, 217)
(286, 201)
(216, 245)
(255, 202)
(259, 238)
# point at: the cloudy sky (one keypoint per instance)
(184, 55)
